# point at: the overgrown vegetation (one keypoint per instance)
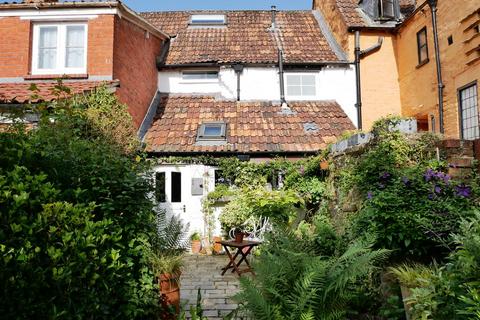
(75, 217)
(395, 195)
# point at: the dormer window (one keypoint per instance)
(212, 131)
(208, 20)
(59, 48)
(386, 9)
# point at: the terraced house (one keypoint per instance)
(417, 58)
(252, 84)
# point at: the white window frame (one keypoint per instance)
(301, 97)
(206, 80)
(61, 49)
(208, 19)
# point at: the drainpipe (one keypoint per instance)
(359, 54)
(238, 70)
(358, 105)
(281, 74)
(433, 8)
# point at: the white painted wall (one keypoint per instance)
(190, 209)
(262, 83)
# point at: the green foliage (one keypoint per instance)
(76, 221)
(293, 283)
(449, 291)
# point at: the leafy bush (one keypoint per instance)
(414, 211)
(76, 221)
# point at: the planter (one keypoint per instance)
(170, 292)
(406, 293)
(217, 247)
(239, 237)
(196, 245)
(324, 165)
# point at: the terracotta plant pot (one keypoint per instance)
(170, 293)
(217, 247)
(239, 237)
(196, 246)
(324, 165)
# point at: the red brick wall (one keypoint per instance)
(100, 46)
(134, 65)
(15, 46)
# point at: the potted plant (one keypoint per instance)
(167, 269)
(196, 243)
(411, 277)
(235, 216)
(217, 247)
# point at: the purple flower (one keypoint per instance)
(431, 196)
(429, 174)
(437, 189)
(385, 176)
(369, 195)
(406, 181)
(447, 179)
(463, 190)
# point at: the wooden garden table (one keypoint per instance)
(240, 246)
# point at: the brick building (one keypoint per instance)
(399, 74)
(86, 43)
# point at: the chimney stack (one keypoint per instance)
(274, 13)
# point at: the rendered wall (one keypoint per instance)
(333, 83)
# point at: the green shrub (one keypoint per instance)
(76, 222)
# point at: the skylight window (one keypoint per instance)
(208, 19)
(212, 131)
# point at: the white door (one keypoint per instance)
(180, 190)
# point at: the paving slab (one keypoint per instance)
(204, 273)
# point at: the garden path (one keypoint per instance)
(204, 272)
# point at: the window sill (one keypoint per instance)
(421, 64)
(55, 76)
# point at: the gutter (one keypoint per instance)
(266, 64)
(252, 154)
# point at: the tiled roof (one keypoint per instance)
(24, 92)
(350, 12)
(246, 38)
(348, 9)
(251, 126)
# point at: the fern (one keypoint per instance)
(172, 237)
(293, 283)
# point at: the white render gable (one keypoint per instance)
(335, 82)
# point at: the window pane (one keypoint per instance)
(160, 186)
(47, 48)
(308, 80)
(469, 111)
(309, 91)
(423, 54)
(294, 80)
(388, 8)
(75, 49)
(176, 187)
(208, 19)
(200, 75)
(212, 130)
(294, 90)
